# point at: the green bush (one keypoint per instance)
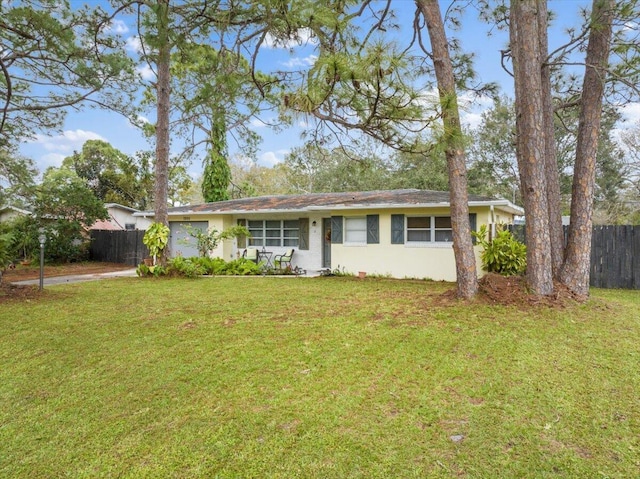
(185, 267)
(504, 254)
(155, 270)
(197, 266)
(209, 265)
(237, 267)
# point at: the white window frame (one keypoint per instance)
(355, 225)
(432, 231)
(288, 240)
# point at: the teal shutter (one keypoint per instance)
(373, 226)
(336, 229)
(303, 234)
(242, 240)
(473, 223)
(397, 229)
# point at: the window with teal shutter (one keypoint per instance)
(373, 235)
(397, 229)
(336, 229)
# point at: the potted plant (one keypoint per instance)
(156, 239)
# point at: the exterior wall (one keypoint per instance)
(120, 218)
(228, 250)
(10, 213)
(142, 223)
(433, 261)
(424, 261)
(311, 259)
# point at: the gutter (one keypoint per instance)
(502, 204)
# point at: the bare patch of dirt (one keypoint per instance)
(14, 292)
(513, 291)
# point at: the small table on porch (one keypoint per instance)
(265, 256)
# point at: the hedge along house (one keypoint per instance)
(396, 233)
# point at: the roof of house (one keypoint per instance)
(105, 225)
(336, 201)
(120, 207)
(15, 209)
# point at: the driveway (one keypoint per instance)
(78, 278)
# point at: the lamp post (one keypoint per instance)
(42, 238)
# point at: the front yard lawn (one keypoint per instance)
(315, 378)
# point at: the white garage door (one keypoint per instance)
(181, 243)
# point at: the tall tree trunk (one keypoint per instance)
(531, 145)
(466, 274)
(163, 90)
(556, 233)
(575, 271)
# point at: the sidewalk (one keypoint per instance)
(78, 278)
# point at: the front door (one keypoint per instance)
(326, 242)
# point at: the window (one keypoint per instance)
(355, 230)
(443, 230)
(273, 232)
(129, 226)
(419, 228)
(429, 229)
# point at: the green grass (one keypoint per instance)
(318, 378)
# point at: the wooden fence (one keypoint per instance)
(615, 255)
(118, 247)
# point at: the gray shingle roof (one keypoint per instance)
(329, 201)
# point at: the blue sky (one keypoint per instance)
(49, 150)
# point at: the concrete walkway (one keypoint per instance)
(78, 278)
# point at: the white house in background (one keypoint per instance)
(122, 218)
(397, 233)
(7, 213)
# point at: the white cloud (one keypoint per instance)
(67, 142)
(471, 120)
(146, 72)
(138, 122)
(631, 112)
(301, 62)
(118, 27)
(272, 158)
(133, 45)
(472, 107)
(51, 159)
(257, 123)
(263, 122)
(301, 37)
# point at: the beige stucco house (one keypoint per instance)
(396, 233)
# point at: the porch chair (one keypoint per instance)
(251, 254)
(283, 259)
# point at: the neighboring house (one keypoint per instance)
(398, 233)
(122, 218)
(7, 213)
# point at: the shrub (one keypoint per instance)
(185, 267)
(155, 270)
(156, 238)
(197, 266)
(237, 267)
(504, 254)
